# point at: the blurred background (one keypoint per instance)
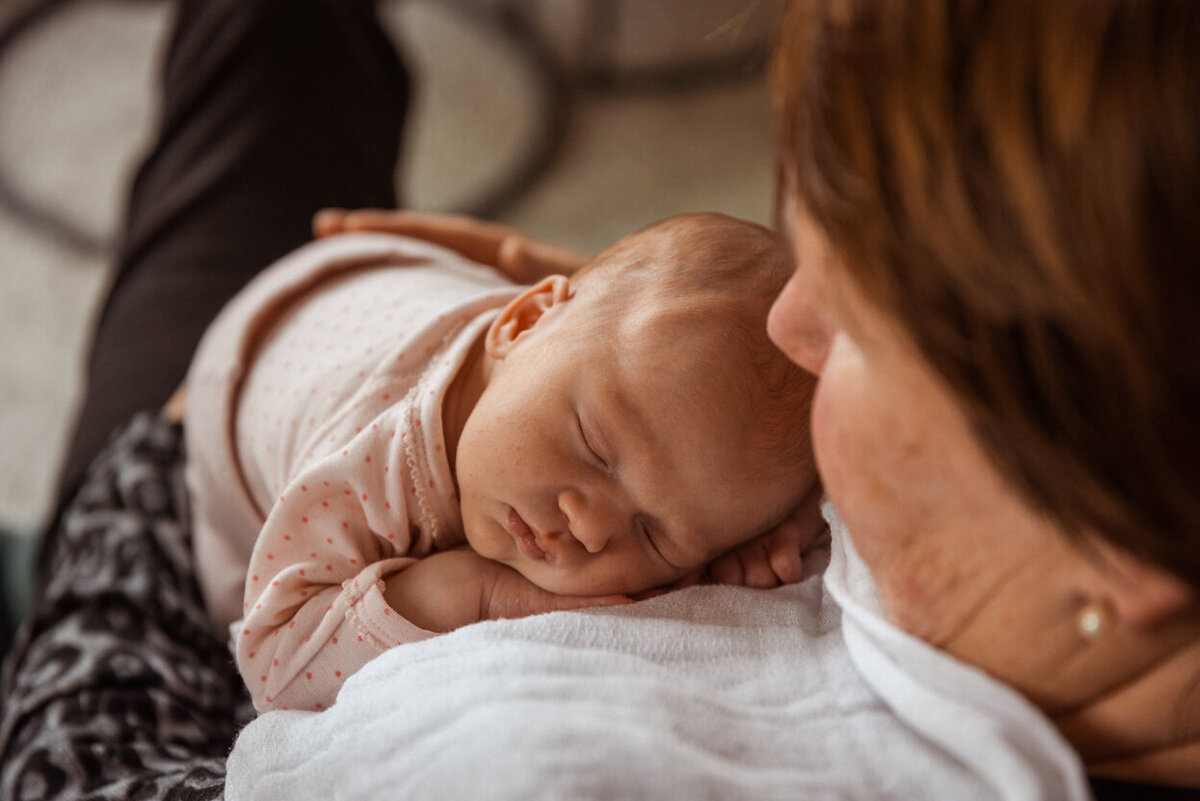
(577, 120)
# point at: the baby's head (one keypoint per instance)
(638, 422)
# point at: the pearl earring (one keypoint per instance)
(1094, 620)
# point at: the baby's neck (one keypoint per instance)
(463, 393)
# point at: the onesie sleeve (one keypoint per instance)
(314, 609)
(327, 375)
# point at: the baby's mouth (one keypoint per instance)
(527, 540)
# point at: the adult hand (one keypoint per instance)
(454, 588)
(176, 405)
(775, 557)
(521, 257)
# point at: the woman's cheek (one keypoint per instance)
(824, 423)
(858, 442)
(838, 421)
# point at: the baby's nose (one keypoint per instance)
(592, 537)
(588, 519)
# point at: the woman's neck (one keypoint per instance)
(1128, 700)
(1146, 726)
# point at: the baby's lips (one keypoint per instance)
(516, 525)
(531, 545)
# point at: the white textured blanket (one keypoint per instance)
(712, 692)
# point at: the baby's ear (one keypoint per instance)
(524, 311)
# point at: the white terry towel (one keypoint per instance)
(711, 692)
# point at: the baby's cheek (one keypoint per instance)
(599, 577)
(483, 538)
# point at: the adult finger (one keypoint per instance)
(478, 240)
(528, 260)
(328, 222)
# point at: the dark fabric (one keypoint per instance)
(117, 687)
(1111, 790)
(271, 110)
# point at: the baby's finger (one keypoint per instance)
(808, 515)
(756, 565)
(786, 562)
(784, 546)
(727, 569)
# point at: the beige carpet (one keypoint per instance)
(77, 106)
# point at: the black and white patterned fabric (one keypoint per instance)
(117, 687)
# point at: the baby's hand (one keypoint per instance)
(454, 588)
(512, 595)
(775, 557)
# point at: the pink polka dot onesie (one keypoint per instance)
(316, 461)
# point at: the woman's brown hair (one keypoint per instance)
(1017, 183)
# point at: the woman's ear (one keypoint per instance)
(1143, 594)
(524, 311)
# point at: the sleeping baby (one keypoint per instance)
(387, 441)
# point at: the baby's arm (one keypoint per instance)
(455, 588)
(332, 584)
(314, 610)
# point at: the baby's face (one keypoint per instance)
(604, 461)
